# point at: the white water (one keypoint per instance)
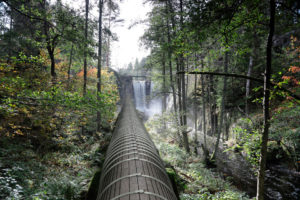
(151, 104)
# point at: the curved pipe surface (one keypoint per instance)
(133, 169)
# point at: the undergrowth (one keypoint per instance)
(55, 175)
(200, 182)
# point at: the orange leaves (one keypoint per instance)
(293, 51)
(294, 69)
(80, 74)
(292, 79)
(286, 77)
(92, 72)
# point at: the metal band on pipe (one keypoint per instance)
(130, 153)
(126, 145)
(137, 142)
(120, 140)
(130, 148)
(154, 155)
(139, 192)
(136, 175)
(136, 158)
(117, 180)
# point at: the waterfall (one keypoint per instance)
(145, 101)
(139, 95)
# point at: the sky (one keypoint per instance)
(128, 47)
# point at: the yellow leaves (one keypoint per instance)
(18, 132)
(293, 38)
(12, 126)
(44, 56)
(2, 68)
(24, 110)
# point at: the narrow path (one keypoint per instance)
(133, 169)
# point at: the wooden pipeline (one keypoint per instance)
(133, 169)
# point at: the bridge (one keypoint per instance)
(133, 169)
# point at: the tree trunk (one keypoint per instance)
(208, 102)
(266, 105)
(49, 44)
(52, 58)
(179, 92)
(99, 64)
(164, 103)
(174, 100)
(227, 124)
(10, 32)
(220, 128)
(181, 62)
(85, 46)
(187, 77)
(70, 63)
(212, 105)
(108, 41)
(180, 107)
(169, 10)
(171, 79)
(203, 108)
(195, 114)
(250, 67)
(184, 111)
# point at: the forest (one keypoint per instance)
(219, 94)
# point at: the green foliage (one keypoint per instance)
(199, 182)
(285, 130)
(42, 134)
(26, 175)
(31, 104)
(225, 195)
(247, 140)
(9, 184)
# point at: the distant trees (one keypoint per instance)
(139, 68)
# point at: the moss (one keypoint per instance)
(178, 184)
(94, 186)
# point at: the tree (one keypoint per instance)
(220, 128)
(266, 105)
(99, 65)
(85, 46)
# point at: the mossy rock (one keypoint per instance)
(178, 183)
(94, 186)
